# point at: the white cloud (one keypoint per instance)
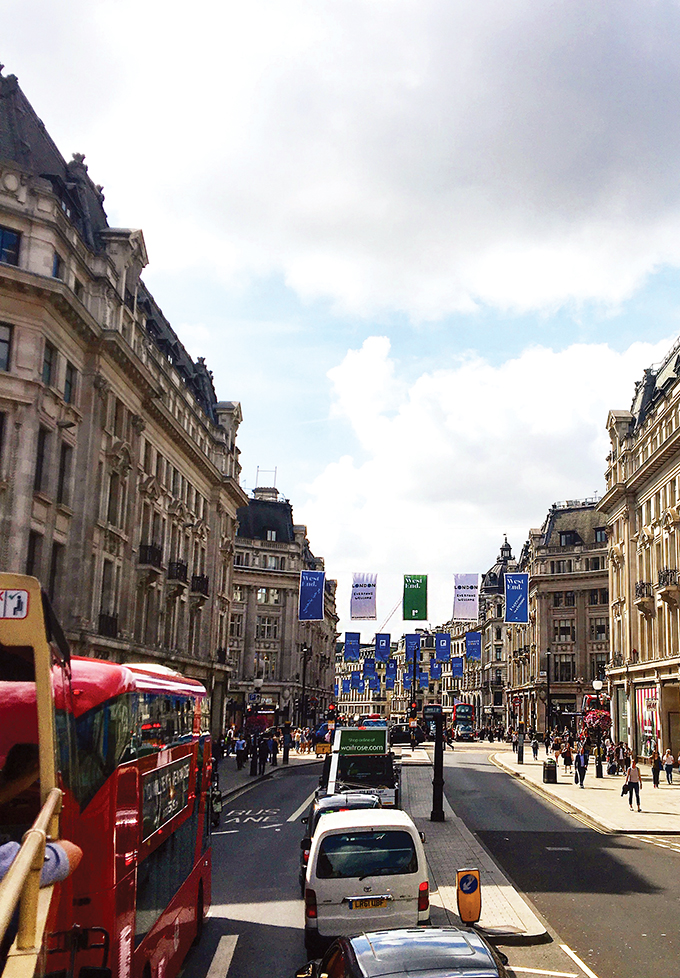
(471, 451)
(417, 155)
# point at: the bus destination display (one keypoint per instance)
(166, 792)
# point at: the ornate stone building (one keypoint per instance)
(494, 665)
(286, 665)
(119, 471)
(642, 512)
(568, 631)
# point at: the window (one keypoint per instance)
(558, 599)
(604, 595)
(78, 289)
(236, 626)
(114, 499)
(593, 597)
(498, 634)
(569, 538)
(600, 534)
(564, 630)
(5, 345)
(9, 246)
(237, 593)
(598, 663)
(499, 655)
(40, 475)
(266, 627)
(3, 425)
(56, 568)
(560, 567)
(274, 562)
(49, 364)
(271, 534)
(70, 383)
(599, 629)
(262, 595)
(240, 559)
(34, 554)
(119, 419)
(569, 599)
(565, 668)
(57, 266)
(593, 563)
(350, 855)
(63, 483)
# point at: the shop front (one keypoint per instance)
(647, 727)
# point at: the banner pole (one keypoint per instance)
(390, 615)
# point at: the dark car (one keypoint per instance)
(437, 952)
(320, 806)
(400, 733)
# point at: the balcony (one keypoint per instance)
(669, 591)
(199, 584)
(644, 597)
(150, 555)
(108, 625)
(178, 571)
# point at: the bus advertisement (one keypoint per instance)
(134, 763)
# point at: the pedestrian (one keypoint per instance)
(567, 758)
(534, 747)
(546, 741)
(240, 747)
(668, 766)
(274, 747)
(634, 782)
(581, 764)
(229, 740)
(656, 768)
(515, 741)
(262, 755)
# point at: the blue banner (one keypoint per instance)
(389, 682)
(310, 607)
(412, 644)
(473, 645)
(517, 599)
(407, 680)
(374, 683)
(369, 667)
(382, 647)
(352, 640)
(457, 665)
(337, 689)
(356, 680)
(435, 670)
(345, 685)
(423, 680)
(442, 645)
(391, 668)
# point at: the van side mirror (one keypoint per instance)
(422, 836)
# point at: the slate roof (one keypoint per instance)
(493, 582)
(656, 382)
(25, 142)
(581, 519)
(261, 515)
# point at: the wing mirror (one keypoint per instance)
(422, 837)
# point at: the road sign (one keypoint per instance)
(413, 723)
(432, 710)
(469, 895)
(253, 697)
(323, 748)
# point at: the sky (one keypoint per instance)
(427, 244)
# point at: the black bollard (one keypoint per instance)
(437, 813)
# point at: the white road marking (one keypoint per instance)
(226, 832)
(298, 811)
(277, 826)
(221, 962)
(558, 849)
(537, 971)
(575, 958)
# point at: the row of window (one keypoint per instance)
(564, 667)
(42, 475)
(266, 626)
(567, 599)
(50, 364)
(564, 630)
(266, 561)
(571, 538)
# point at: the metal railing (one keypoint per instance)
(668, 577)
(178, 570)
(643, 589)
(108, 625)
(200, 584)
(150, 554)
(21, 885)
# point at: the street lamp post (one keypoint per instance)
(306, 653)
(597, 686)
(548, 705)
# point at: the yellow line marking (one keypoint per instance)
(575, 958)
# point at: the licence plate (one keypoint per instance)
(368, 903)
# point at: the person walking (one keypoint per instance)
(634, 782)
(546, 741)
(515, 740)
(668, 766)
(240, 747)
(656, 768)
(534, 747)
(581, 764)
(567, 758)
(274, 748)
(262, 755)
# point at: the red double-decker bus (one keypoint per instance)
(134, 763)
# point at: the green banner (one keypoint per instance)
(372, 740)
(415, 597)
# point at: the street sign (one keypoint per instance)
(432, 710)
(413, 723)
(469, 894)
(253, 697)
(323, 748)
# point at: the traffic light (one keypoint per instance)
(330, 714)
(413, 712)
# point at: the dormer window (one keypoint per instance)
(568, 538)
(271, 535)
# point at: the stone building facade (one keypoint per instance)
(642, 512)
(119, 471)
(285, 665)
(493, 675)
(568, 630)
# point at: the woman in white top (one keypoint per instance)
(634, 782)
(668, 766)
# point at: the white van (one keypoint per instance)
(367, 871)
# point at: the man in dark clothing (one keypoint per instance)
(262, 755)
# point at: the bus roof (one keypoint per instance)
(95, 681)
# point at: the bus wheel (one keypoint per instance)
(199, 915)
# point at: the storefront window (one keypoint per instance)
(646, 720)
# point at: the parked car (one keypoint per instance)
(437, 952)
(323, 806)
(400, 733)
(366, 871)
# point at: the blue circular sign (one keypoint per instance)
(468, 883)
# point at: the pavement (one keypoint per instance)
(233, 781)
(450, 846)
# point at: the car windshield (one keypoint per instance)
(373, 770)
(355, 855)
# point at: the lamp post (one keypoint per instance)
(306, 654)
(597, 686)
(548, 706)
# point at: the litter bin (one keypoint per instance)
(549, 771)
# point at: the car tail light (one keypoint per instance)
(423, 897)
(310, 904)
(305, 856)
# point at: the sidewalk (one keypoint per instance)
(232, 780)
(450, 846)
(600, 801)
